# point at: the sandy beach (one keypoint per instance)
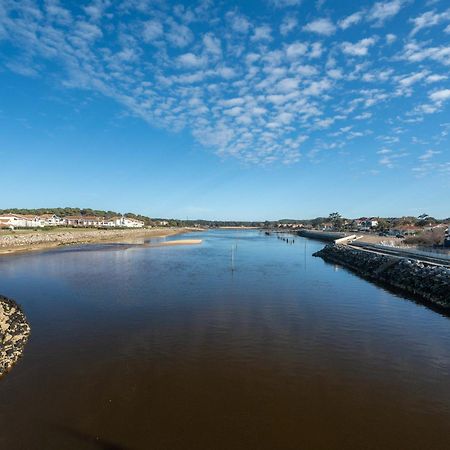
(25, 241)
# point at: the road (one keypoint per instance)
(436, 259)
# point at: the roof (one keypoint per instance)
(86, 218)
(92, 218)
(47, 216)
(19, 216)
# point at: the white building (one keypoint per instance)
(51, 220)
(84, 221)
(20, 221)
(112, 222)
(128, 222)
(366, 224)
(13, 221)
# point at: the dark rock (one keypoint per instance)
(14, 333)
(425, 281)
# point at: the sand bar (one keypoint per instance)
(176, 242)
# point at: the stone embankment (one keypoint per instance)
(428, 282)
(328, 236)
(14, 332)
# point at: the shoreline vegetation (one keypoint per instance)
(27, 241)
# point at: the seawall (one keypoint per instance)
(430, 283)
(14, 333)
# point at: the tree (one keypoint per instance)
(383, 224)
(336, 219)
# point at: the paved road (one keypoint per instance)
(441, 260)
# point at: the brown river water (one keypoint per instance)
(168, 348)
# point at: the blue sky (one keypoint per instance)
(226, 110)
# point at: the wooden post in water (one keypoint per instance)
(232, 257)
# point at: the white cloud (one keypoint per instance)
(360, 48)
(235, 111)
(382, 11)
(287, 85)
(284, 3)
(232, 102)
(390, 38)
(351, 20)
(296, 49)
(288, 24)
(179, 35)
(212, 44)
(336, 74)
(189, 60)
(57, 13)
(239, 23)
(440, 96)
(322, 26)
(262, 33)
(390, 157)
(408, 80)
(434, 78)
(428, 155)
(317, 87)
(152, 30)
(417, 52)
(363, 116)
(429, 19)
(316, 50)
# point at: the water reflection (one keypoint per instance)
(167, 348)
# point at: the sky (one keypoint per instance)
(247, 110)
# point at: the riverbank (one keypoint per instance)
(428, 282)
(14, 332)
(14, 242)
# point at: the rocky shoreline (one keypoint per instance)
(427, 282)
(14, 333)
(19, 242)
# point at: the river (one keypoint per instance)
(136, 347)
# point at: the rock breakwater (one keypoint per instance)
(427, 282)
(14, 333)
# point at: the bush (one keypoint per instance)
(427, 238)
